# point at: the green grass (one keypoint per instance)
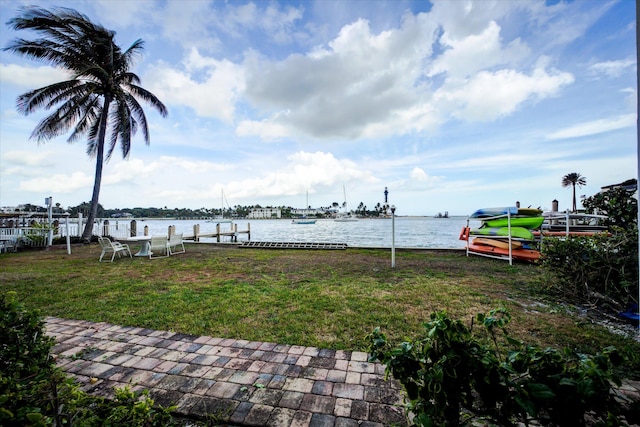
(328, 299)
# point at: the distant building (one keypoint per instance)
(265, 213)
(305, 212)
(629, 185)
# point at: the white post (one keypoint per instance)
(49, 202)
(393, 236)
(66, 222)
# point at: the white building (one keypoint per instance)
(305, 212)
(265, 213)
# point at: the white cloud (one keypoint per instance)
(418, 174)
(462, 19)
(188, 23)
(359, 83)
(265, 129)
(489, 95)
(595, 127)
(33, 158)
(463, 57)
(612, 69)
(302, 171)
(57, 183)
(277, 22)
(31, 77)
(122, 13)
(355, 93)
(210, 87)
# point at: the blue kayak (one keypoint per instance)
(489, 212)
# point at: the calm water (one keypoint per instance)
(410, 232)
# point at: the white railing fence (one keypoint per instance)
(38, 235)
(26, 236)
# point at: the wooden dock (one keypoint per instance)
(219, 234)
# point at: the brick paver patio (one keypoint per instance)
(236, 381)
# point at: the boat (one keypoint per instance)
(346, 215)
(220, 219)
(303, 219)
(505, 233)
(498, 243)
(572, 224)
(510, 210)
(529, 212)
(514, 232)
(491, 212)
(521, 254)
(529, 222)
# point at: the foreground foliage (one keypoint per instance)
(34, 392)
(603, 269)
(452, 370)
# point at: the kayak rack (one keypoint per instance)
(507, 254)
(293, 245)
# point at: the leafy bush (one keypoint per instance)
(451, 376)
(34, 392)
(601, 269)
(618, 204)
(24, 359)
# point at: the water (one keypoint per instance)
(410, 232)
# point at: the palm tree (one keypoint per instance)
(99, 101)
(572, 179)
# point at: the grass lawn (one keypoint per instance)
(327, 299)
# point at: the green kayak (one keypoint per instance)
(524, 222)
(516, 232)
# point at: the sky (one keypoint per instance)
(450, 105)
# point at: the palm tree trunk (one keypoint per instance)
(574, 197)
(93, 210)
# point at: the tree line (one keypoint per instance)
(237, 211)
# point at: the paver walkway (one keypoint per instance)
(237, 381)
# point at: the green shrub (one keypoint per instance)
(452, 375)
(601, 269)
(618, 204)
(24, 361)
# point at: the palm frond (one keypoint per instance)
(149, 98)
(41, 98)
(99, 70)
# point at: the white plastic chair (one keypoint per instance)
(114, 247)
(175, 241)
(159, 245)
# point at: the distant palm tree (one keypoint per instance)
(99, 80)
(572, 179)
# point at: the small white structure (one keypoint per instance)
(265, 213)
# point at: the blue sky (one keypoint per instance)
(452, 105)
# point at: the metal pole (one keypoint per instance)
(67, 233)
(49, 201)
(393, 236)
